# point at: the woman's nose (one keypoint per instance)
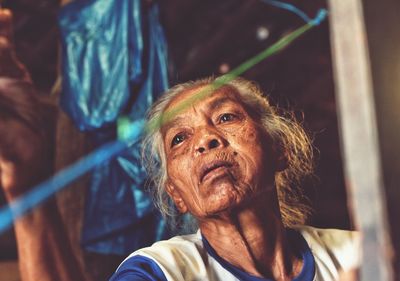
(207, 140)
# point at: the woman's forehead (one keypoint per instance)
(177, 110)
(200, 95)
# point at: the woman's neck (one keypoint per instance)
(253, 239)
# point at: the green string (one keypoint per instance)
(224, 79)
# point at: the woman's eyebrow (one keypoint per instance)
(173, 123)
(214, 104)
(219, 102)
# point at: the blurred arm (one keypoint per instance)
(26, 158)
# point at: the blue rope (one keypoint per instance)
(128, 133)
(46, 189)
(321, 14)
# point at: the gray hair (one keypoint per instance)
(287, 134)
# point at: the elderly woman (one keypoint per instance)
(231, 162)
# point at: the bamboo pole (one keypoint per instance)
(359, 137)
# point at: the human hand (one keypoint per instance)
(10, 66)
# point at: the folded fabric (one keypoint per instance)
(114, 62)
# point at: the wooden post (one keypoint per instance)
(359, 136)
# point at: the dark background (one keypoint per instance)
(206, 36)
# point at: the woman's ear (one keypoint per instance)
(176, 197)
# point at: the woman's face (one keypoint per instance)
(218, 157)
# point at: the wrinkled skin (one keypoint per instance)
(216, 129)
(221, 166)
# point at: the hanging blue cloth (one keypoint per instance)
(114, 62)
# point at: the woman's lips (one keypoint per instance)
(213, 168)
(217, 172)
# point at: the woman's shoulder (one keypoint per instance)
(180, 254)
(333, 246)
(177, 245)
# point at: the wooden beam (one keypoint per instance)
(358, 129)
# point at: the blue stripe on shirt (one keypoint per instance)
(138, 268)
(307, 273)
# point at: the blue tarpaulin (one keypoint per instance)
(114, 62)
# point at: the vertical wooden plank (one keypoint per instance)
(359, 137)
(382, 21)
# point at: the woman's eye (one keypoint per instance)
(177, 139)
(226, 117)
